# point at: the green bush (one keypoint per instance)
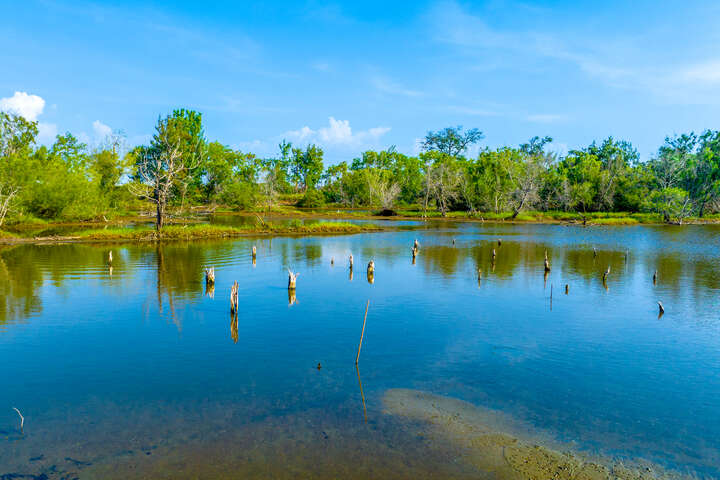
(238, 195)
(311, 199)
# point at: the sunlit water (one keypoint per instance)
(137, 371)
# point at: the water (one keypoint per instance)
(140, 372)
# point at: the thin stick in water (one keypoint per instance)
(362, 334)
(22, 419)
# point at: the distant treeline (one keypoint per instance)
(181, 168)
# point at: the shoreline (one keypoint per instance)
(193, 231)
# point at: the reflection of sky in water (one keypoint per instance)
(144, 353)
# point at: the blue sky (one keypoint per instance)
(366, 75)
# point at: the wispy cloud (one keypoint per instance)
(618, 61)
(386, 85)
(546, 117)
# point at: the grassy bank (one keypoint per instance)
(593, 218)
(202, 231)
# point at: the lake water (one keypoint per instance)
(139, 372)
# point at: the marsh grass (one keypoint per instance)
(195, 231)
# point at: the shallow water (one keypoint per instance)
(139, 372)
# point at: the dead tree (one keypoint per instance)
(159, 168)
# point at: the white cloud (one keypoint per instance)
(23, 104)
(101, 130)
(337, 133)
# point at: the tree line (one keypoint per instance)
(179, 168)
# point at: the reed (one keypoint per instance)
(362, 333)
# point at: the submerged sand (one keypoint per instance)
(493, 443)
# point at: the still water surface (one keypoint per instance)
(140, 372)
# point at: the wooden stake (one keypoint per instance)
(371, 267)
(110, 257)
(351, 261)
(567, 289)
(655, 277)
(661, 308)
(362, 334)
(254, 251)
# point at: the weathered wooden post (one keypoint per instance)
(479, 273)
(110, 257)
(567, 289)
(661, 309)
(371, 267)
(453, 241)
(351, 261)
(332, 261)
(594, 252)
(292, 279)
(605, 275)
(234, 302)
(254, 251)
(655, 278)
(416, 245)
(414, 252)
(547, 263)
(210, 276)
(494, 254)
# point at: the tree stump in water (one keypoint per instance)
(547, 263)
(292, 279)
(234, 302)
(210, 276)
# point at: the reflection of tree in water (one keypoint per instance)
(179, 275)
(20, 279)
